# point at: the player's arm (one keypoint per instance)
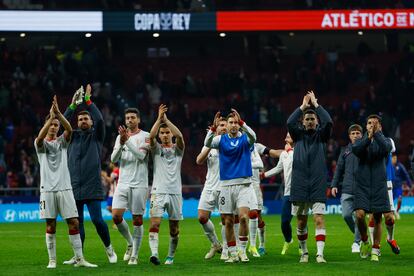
(179, 138)
(139, 151)
(276, 170)
(98, 120)
(65, 123)
(70, 110)
(406, 175)
(263, 150)
(251, 135)
(212, 141)
(326, 122)
(154, 130)
(383, 142)
(43, 131)
(203, 155)
(339, 173)
(117, 151)
(360, 146)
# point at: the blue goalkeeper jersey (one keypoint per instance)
(235, 160)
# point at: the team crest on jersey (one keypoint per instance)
(234, 144)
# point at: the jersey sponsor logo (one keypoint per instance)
(234, 144)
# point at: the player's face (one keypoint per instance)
(289, 140)
(132, 120)
(165, 135)
(310, 121)
(373, 121)
(222, 128)
(232, 126)
(54, 128)
(355, 135)
(84, 122)
(394, 160)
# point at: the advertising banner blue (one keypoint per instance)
(29, 212)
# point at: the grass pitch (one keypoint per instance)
(23, 252)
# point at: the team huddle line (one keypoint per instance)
(70, 167)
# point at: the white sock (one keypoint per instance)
(137, 239)
(236, 233)
(371, 234)
(262, 237)
(51, 246)
(173, 246)
(210, 232)
(253, 224)
(223, 237)
(375, 251)
(302, 242)
(76, 243)
(243, 243)
(320, 235)
(124, 230)
(153, 243)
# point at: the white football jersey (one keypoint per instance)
(257, 162)
(167, 169)
(213, 170)
(53, 160)
(284, 165)
(133, 160)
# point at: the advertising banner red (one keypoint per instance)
(315, 20)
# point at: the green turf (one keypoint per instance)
(23, 252)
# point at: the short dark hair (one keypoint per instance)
(309, 111)
(84, 112)
(230, 115)
(132, 110)
(48, 117)
(163, 125)
(374, 116)
(354, 127)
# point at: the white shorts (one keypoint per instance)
(302, 208)
(209, 200)
(259, 196)
(390, 196)
(54, 203)
(133, 199)
(172, 204)
(234, 197)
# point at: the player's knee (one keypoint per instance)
(389, 221)
(253, 214)
(236, 219)
(262, 224)
(98, 221)
(203, 219)
(51, 229)
(73, 224)
(244, 218)
(174, 232)
(360, 215)
(223, 220)
(116, 219)
(137, 221)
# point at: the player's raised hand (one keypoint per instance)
(55, 105)
(313, 98)
(161, 112)
(88, 92)
(123, 133)
(216, 119)
(52, 112)
(305, 102)
(236, 115)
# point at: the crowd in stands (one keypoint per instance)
(264, 88)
